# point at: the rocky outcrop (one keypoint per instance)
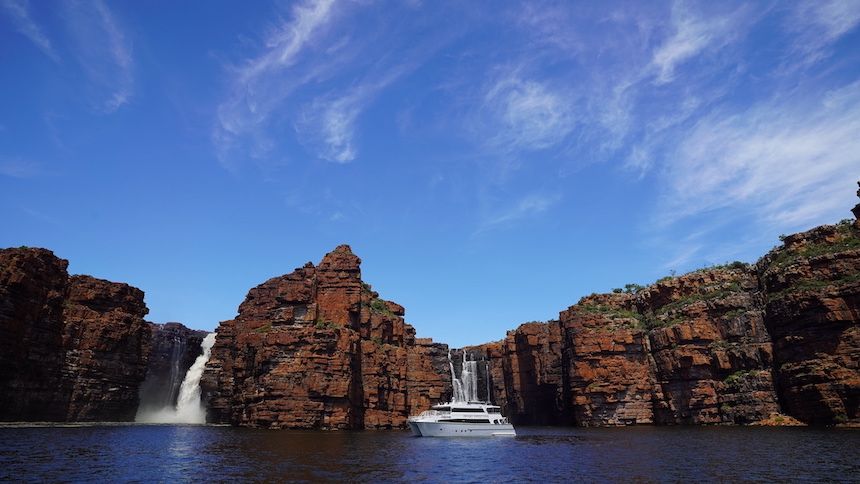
(107, 344)
(610, 369)
(770, 343)
(172, 352)
(33, 285)
(318, 348)
(812, 312)
(712, 353)
(74, 348)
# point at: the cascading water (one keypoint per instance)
(465, 387)
(189, 408)
(487, 368)
(455, 382)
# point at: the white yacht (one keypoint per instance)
(461, 419)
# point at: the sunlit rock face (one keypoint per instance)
(812, 311)
(73, 348)
(107, 345)
(713, 356)
(733, 344)
(609, 368)
(317, 348)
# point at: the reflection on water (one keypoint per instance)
(165, 453)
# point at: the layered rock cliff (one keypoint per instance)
(33, 284)
(318, 348)
(73, 348)
(812, 311)
(731, 344)
(107, 343)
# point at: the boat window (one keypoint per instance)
(442, 409)
(494, 410)
(466, 420)
(469, 410)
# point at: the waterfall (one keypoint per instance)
(176, 377)
(465, 387)
(189, 408)
(489, 395)
(455, 382)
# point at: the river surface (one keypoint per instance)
(644, 454)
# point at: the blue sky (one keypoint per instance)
(491, 162)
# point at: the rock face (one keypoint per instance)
(107, 344)
(173, 350)
(732, 344)
(318, 348)
(812, 313)
(526, 374)
(74, 347)
(33, 285)
(609, 367)
(712, 353)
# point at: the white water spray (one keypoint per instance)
(189, 408)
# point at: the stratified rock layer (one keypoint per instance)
(812, 284)
(737, 344)
(32, 290)
(317, 348)
(107, 343)
(608, 362)
(73, 348)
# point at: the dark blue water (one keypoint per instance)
(644, 454)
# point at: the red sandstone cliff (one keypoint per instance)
(70, 348)
(107, 343)
(318, 348)
(812, 313)
(732, 344)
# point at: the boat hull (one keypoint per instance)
(458, 429)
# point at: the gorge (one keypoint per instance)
(774, 342)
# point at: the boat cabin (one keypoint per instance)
(469, 412)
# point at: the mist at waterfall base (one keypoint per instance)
(188, 409)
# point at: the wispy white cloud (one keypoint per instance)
(328, 126)
(817, 25)
(790, 160)
(526, 114)
(526, 207)
(692, 35)
(104, 52)
(19, 11)
(262, 84)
